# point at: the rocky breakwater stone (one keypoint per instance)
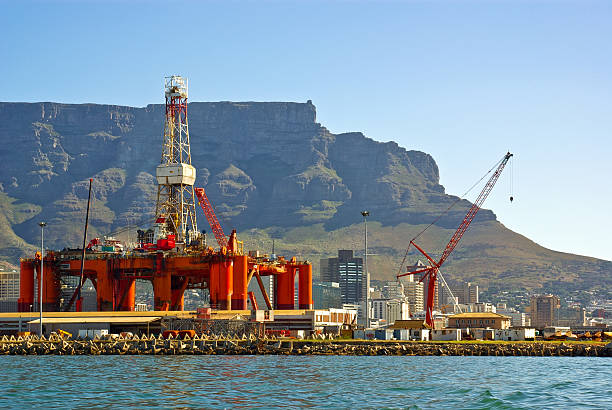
(240, 346)
(607, 350)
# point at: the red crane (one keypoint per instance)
(431, 271)
(211, 217)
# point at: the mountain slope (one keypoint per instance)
(270, 170)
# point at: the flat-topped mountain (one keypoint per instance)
(270, 170)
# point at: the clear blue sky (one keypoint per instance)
(462, 80)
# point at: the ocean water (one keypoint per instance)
(304, 381)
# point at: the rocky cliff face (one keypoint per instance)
(264, 165)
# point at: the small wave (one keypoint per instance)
(486, 400)
(461, 391)
(331, 382)
(561, 385)
(516, 396)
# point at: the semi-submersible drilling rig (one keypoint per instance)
(173, 255)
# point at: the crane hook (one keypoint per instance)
(511, 198)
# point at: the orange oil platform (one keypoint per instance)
(225, 273)
(173, 256)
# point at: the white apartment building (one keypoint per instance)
(413, 291)
(9, 285)
(390, 310)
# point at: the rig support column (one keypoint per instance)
(305, 287)
(104, 290)
(178, 286)
(213, 284)
(26, 286)
(126, 294)
(226, 281)
(239, 296)
(285, 288)
(50, 288)
(162, 292)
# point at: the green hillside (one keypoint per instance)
(488, 254)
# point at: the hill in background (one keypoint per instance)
(272, 172)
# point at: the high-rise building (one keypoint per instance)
(517, 318)
(413, 291)
(9, 285)
(393, 290)
(544, 310)
(390, 310)
(347, 271)
(572, 317)
(326, 295)
(9, 291)
(324, 275)
(464, 293)
(418, 266)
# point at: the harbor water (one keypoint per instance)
(304, 381)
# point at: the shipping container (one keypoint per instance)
(384, 334)
(401, 334)
(369, 334)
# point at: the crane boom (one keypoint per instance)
(211, 217)
(469, 217)
(431, 272)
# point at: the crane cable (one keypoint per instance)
(445, 212)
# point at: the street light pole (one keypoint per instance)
(42, 263)
(365, 215)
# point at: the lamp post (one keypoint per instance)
(42, 263)
(365, 215)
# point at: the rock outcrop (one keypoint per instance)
(263, 164)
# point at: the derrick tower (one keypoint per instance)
(175, 209)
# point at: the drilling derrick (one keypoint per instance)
(171, 256)
(175, 209)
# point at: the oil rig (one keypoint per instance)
(172, 255)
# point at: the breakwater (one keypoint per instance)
(245, 346)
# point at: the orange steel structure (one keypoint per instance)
(225, 275)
